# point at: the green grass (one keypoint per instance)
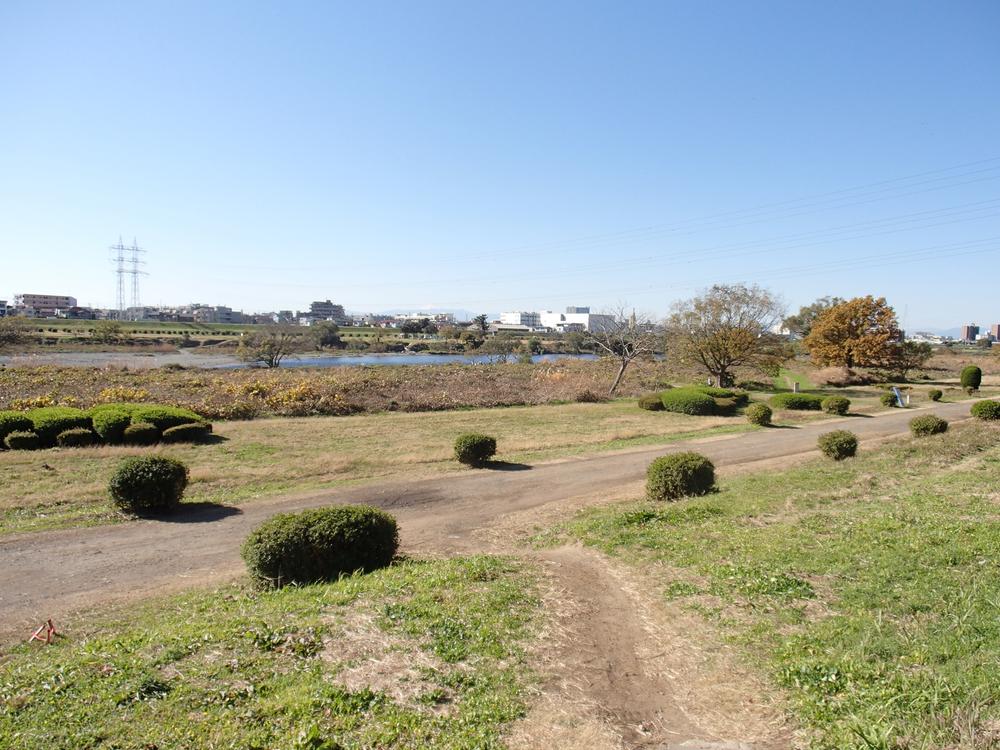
(298, 668)
(866, 589)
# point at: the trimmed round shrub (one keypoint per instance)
(49, 421)
(934, 394)
(987, 410)
(651, 402)
(164, 417)
(759, 414)
(141, 433)
(739, 398)
(110, 422)
(688, 401)
(888, 399)
(22, 440)
(77, 437)
(838, 445)
(797, 401)
(678, 475)
(320, 545)
(196, 432)
(474, 449)
(13, 421)
(927, 424)
(971, 378)
(836, 405)
(148, 484)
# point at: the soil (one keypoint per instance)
(621, 669)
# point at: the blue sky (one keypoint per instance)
(493, 156)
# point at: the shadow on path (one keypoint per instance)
(204, 512)
(506, 466)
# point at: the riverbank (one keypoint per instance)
(224, 393)
(198, 359)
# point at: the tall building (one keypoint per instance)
(969, 333)
(994, 331)
(521, 318)
(326, 310)
(43, 305)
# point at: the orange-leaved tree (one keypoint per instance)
(858, 333)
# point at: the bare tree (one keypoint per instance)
(12, 333)
(728, 326)
(269, 345)
(623, 335)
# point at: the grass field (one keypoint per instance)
(421, 654)
(253, 459)
(867, 590)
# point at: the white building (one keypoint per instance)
(521, 318)
(571, 320)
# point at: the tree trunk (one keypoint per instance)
(618, 378)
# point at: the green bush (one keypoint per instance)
(839, 444)
(651, 402)
(927, 424)
(797, 401)
(888, 399)
(141, 433)
(49, 421)
(679, 474)
(934, 394)
(13, 421)
(759, 414)
(739, 398)
(688, 401)
(474, 449)
(165, 417)
(836, 405)
(320, 545)
(988, 409)
(971, 378)
(187, 433)
(148, 484)
(110, 422)
(22, 440)
(76, 437)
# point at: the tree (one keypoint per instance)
(13, 332)
(858, 333)
(728, 326)
(907, 355)
(269, 345)
(482, 322)
(623, 336)
(500, 348)
(800, 324)
(108, 332)
(325, 334)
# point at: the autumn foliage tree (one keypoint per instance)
(858, 333)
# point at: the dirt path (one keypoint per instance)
(52, 574)
(624, 669)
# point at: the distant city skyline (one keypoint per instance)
(485, 158)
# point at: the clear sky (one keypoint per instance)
(504, 155)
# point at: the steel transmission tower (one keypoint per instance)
(134, 262)
(119, 260)
(127, 265)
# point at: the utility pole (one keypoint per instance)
(118, 258)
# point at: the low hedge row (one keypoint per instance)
(108, 423)
(797, 401)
